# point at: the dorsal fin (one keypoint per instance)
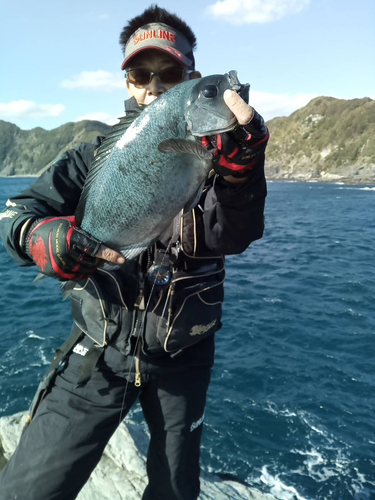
(101, 154)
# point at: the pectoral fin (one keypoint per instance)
(184, 146)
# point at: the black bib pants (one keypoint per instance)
(66, 438)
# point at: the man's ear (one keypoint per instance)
(194, 75)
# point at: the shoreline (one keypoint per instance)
(19, 176)
(314, 180)
(343, 180)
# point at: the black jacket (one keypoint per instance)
(180, 318)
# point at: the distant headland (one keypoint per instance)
(329, 139)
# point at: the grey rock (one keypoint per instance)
(121, 473)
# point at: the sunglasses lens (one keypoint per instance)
(172, 75)
(139, 76)
(143, 76)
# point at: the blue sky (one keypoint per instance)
(60, 61)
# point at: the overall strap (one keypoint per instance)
(64, 350)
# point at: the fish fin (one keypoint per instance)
(67, 288)
(132, 251)
(39, 276)
(101, 155)
(193, 201)
(185, 146)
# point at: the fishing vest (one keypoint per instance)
(119, 304)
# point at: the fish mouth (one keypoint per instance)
(230, 126)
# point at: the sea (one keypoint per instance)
(291, 406)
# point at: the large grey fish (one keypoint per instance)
(142, 177)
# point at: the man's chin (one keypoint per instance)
(146, 102)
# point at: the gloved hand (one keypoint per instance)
(62, 250)
(237, 152)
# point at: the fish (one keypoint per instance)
(144, 174)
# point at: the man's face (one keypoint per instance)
(152, 60)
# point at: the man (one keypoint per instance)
(134, 336)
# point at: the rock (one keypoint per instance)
(121, 473)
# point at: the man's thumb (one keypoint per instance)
(109, 255)
(241, 110)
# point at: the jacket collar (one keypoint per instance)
(131, 105)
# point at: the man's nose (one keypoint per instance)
(155, 87)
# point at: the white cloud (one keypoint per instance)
(254, 11)
(273, 105)
(22, 110)
(100, 117)
(103, 17)
(103, 81)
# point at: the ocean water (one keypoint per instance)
(291, 406)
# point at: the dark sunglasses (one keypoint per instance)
(141, 77)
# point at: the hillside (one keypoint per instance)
(329, 139)
(26, 152)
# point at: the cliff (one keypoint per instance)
(27, 152)
(329, 139)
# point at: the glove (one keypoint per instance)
(237, 152)
(61, 249)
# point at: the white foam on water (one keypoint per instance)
(272, 301)
(32, 335)
(288, 413)
(367, 188)
(313, 428)
(313, 460)
(278, 489)
(43, 357)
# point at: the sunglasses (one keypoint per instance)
(142, 77)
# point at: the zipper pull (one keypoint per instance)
(138, 380)
(140, 302)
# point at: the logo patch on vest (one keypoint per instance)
(79, 349)
(8, 214)
(201, 329)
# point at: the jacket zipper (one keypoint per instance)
(138, 379)
(140, 305)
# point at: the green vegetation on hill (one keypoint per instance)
(26, 152)
(327, 137)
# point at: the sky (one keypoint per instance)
(60, 61)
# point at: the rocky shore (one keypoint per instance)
(349, 175)
(121, 473)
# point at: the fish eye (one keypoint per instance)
(210, 91)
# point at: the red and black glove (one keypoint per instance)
(61, 249)
(237, 152)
